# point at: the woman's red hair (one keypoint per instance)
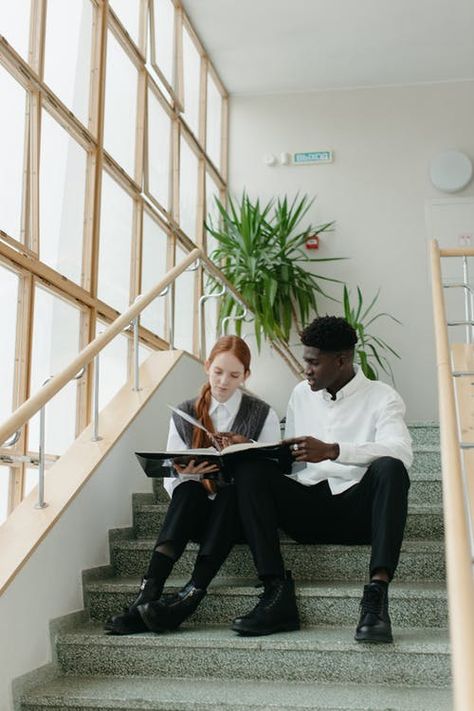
(225, 344)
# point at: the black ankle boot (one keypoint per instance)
(149, 590)
(374, 624)
(171, 610)
(130, 621)
(275, 612)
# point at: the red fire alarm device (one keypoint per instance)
(312, 242)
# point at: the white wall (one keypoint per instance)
(376, 191)
(49, 585)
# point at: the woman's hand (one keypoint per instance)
(195, 469)
(225, 439)
(310, 449)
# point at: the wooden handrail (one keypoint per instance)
(458, 554)
(31, 406)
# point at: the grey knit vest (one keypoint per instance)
(248, 421)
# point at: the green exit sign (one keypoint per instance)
(313, 157)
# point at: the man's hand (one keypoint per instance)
(310, 449)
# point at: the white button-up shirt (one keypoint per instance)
(366, 420)
(222, 415)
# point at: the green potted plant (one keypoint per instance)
(261, 252)
(370, 350)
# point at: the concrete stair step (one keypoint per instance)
(424, 434)
(424, 520)
(426, 459)
(411, 605)
(425, 476)
(174, 694)
(329, 654)
(420, 560)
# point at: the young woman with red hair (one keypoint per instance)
(199, 511)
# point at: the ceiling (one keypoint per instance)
(278, 46)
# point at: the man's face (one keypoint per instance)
(322, 369)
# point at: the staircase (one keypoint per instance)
(205, 666)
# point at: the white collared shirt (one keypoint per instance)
(366, 420)
(222, 415)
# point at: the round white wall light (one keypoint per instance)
(450, 171)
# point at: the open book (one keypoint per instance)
(160, 464)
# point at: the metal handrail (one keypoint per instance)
(458, 553)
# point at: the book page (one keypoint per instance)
(248, 445)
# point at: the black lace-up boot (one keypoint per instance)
(276, 610)
(374, 624)
(171, 610)
(130, 621)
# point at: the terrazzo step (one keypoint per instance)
(413, 605)
(426, 459)
(329, 654)
(425, 476)
(424, 520)
(424, 434)
(420, 560)
(172, 694)
(426, 488)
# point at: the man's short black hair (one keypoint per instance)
(329, 333)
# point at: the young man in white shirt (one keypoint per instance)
(350, 433)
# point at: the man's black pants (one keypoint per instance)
(372, 511)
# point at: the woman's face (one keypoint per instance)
(226, 373)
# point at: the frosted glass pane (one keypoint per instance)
(12, 129)
(192, 79)
(159, 151)
(62, 198)
(127, 12)
(153, 269)
(4, 490)
(120, 106)
(184, 306)
(31, 480)
(68, 53)
(214, 122)
(164, 37)
(8, 299)
(113, 367)
(188, 183)
(55, 343)
(115, 244)
(15, 24)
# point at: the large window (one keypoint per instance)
(111, 144)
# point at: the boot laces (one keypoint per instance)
(372, 601)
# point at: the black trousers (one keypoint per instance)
(192, 516)
(372, 511)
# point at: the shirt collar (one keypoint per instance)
(231, 405)
(356, 383)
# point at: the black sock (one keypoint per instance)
(159, 568)
(382, 583)
(205, 570)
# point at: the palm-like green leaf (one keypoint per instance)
(371, 349)
(259, 249)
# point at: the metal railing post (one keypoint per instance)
(95, 401)
(226, 319)
(41, 504)
(202, 301)
(136, 359)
